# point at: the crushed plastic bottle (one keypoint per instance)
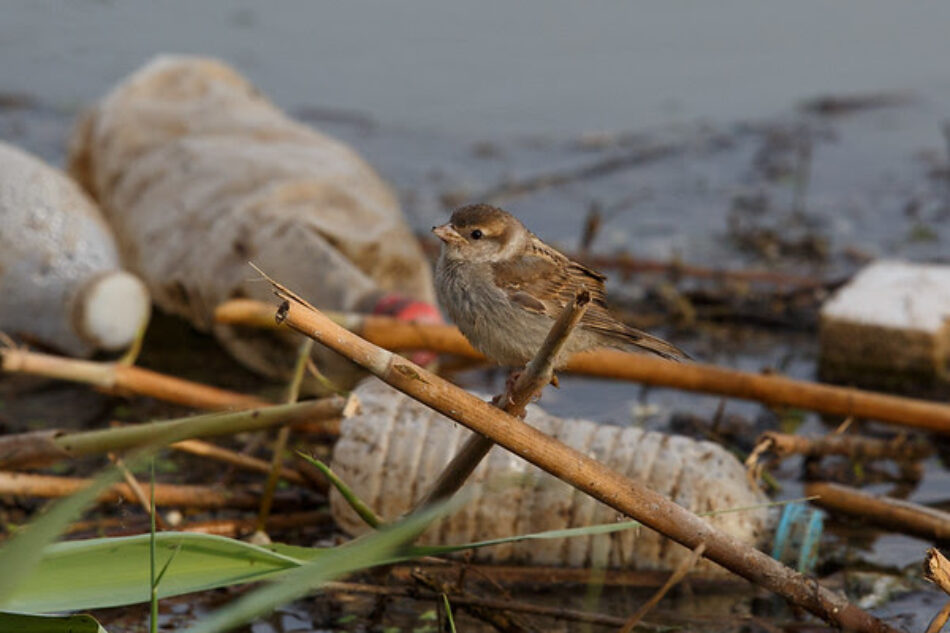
(199, 174)
(61, 283)
(394, 449)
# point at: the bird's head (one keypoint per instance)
(481, 233)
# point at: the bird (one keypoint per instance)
(504, 288)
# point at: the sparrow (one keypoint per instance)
(504, 288)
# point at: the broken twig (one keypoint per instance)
(894, 514)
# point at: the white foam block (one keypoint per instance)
(895, 294)
(893, 318)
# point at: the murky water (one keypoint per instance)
(677, 120)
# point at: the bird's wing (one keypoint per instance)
(543, 281)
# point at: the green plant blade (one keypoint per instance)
(21, 554)
(362, 553)
(110, 572)
(359, 506)
(23, 623)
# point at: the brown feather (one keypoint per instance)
(543, 280)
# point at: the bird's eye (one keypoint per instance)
(477, 234)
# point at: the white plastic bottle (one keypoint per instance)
(198, 173)
(394, 449)
(61, 283)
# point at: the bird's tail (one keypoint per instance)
(647, 342)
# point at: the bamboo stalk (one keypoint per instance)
(894, 514)
(579, 470)
(608, 363)
(120, 379)
(44, 447)
(49, 486)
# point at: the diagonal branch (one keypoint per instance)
(629, 497)
(529, 384)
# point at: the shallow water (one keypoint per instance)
(456, 102)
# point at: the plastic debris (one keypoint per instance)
(394, 449)
(889, 328)
(61, 283)
(200, 174)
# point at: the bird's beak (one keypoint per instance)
(447, 234)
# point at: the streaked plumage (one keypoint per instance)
(504, 288)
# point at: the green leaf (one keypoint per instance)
(368, 551)
(448, 612)
(22, 553)
(109, 572)
(22, 623)
(361, 508)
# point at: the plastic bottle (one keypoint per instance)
(393, 450)
(60, 279)
(199, 174)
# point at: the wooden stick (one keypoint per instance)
(49, 486)
(239, 527)
(529, 384)
(245, 462)
(579, 470)
(894, 514)
(44, 447)
(855, 446)
(129, 525)
(119, 379)
(940, 619)
(608, 363)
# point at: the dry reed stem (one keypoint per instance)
(239, 460)
(49, 486)
(940, 619)
(119, 379)
(608, 363)
(136, 489)
(937, 569)
(240, 527)
(857, 447)
(45, 447)
(678, 574)
(283, 435)
(577, 469)
(894, 514)
(528, 386)
(126, 526)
